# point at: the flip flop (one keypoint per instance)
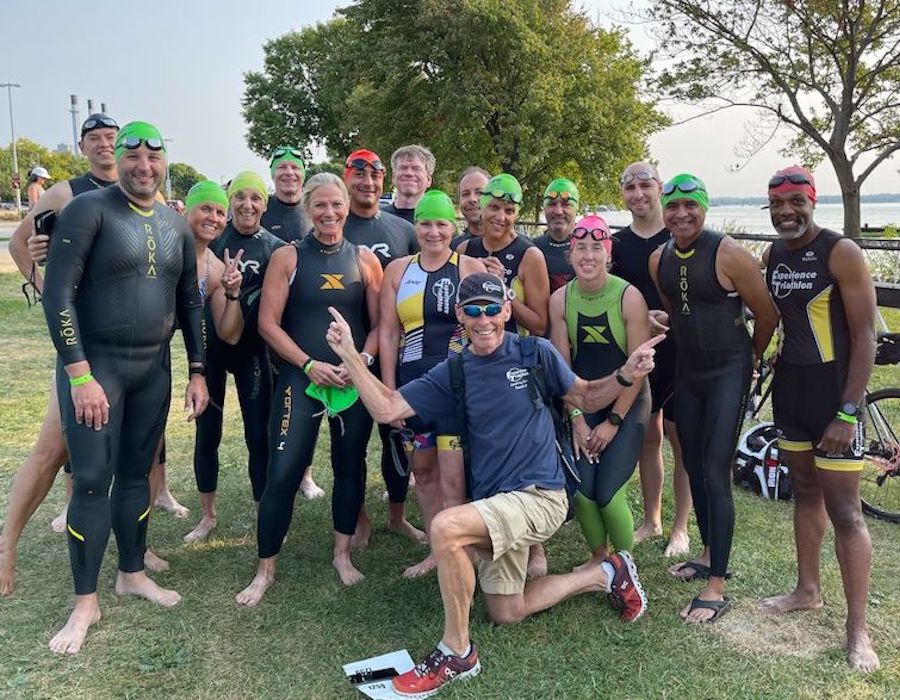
(701, 571)
(719, 607)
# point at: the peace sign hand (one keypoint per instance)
(232, 277)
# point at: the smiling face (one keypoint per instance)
(791, 214)
(365, 186)
(288, 179)
(141, 172)
(589, 260)
(560, 215)
(411, 177)
(327, 208)
(498, 218)
(485, 332)
(247, 207)
(98, 146)
(684, 218)
(642, 194)
(207, 221)
(471, 187)
(434, 236)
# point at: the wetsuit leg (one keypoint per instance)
(690, 409)
(294, 427)
(209, 427)
(397, 484)
(349, 439)
(586, 509)
(253, 380)
(619, 521)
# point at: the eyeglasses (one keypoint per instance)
(564, 196)
(361, 163)
(793, 178)
(598, 234)
(508, 196)
(132, 142)
(642, 176)
(98, 123)
(687, 187)
(282, 152)
(476, 310)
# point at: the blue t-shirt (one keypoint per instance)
(511, 439)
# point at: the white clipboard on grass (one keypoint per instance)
(372, 677)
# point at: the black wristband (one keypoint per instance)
(232, 298)
(621, 378)
(201, 370)
(307, 364)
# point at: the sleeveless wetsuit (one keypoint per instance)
(325, 276)
(630, 261)
(406, 214)
(285, 221)
(556, 255)
(117, 277)
(511, 257)
(465, 235)
(248, 362)
(715, 359)
(599, 346)
(815, 351)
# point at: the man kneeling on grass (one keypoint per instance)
(517, 485)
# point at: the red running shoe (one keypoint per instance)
(627, 596)
(436, 670)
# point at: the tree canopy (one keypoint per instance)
(530, 87)
(827, 69)
(183, 178)
(61, 166)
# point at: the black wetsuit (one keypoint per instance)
(117, 277)
(511, 257)
(248, 361)
(466, 235)
(558, 266)
(407, 214)
(630, 256)
(325, 276)
(715, 359)
(285, 221)
(389, 237)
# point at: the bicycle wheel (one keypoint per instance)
(879, 484)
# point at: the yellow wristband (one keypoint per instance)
(83, 379)
(575, 412)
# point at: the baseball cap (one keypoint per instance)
(40, 171)
(481, 286)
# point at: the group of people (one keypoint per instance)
(322, 301)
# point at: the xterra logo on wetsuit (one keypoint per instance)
(332, 281)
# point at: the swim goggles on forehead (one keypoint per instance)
(564, 196)
(281, 152)
(361, 163)
(793, 178)
(503, 194)
(598, 234)
(132, 142)
(687, 186)
(642, 176)
(476, 310)
(91, 124)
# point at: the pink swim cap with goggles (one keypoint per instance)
(595, 227)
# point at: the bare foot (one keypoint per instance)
(860, 653)
(7, 572)
(154, 562)
(360, 539)
(58, 524)
(167, 502)
(679, 543)
(310, 489)
(138, 584)
(71, 637)
(537, 563)
(795, 600)
(420, 569)
(206, 525)
(407, 529)
(646, 531)
(253, 593)
(348, 573)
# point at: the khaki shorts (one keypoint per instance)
(515, 521)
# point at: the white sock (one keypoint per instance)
(449, 652)
(610, 574)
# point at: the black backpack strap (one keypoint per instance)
(458, 384)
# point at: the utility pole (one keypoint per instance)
(15, 155)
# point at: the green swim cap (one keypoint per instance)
(502, 186)
(334, 398)
(246, 179)
(564, 189)
(435, 206)
(685, 186)
(205, 191)
(289, 153)
(131, 135)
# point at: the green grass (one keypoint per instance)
(294, 643)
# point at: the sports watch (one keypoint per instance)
(614, 418)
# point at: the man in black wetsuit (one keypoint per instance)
(561, 200)
(823, 289)
(704, 279)
(389, 237)
(468, 198)
(121, 269)
(412, 168)
(284, 216)
(641, 190)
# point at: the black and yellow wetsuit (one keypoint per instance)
(325, 276)
(117, 278)
(715, 361)
(511, 257)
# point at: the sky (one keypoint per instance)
(181, 67)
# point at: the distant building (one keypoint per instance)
(63, 148)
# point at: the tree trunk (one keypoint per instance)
(850, 196)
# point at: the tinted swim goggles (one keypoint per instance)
(98, 123)
(565, 196)
(476, 310)
(503, 194)
(282, 152)
(641, 176)
(361, 163)
(598, 234)
(793, 178)
(132, 142)
(687, 187)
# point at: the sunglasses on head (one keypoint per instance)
(642, 176)
(508, 196)
(686, 187)
(793, 178)
(564, 196)
(132, 142)
(281, 152)
(598, 234)
(476, 310)
(98, 123)
(361, 163)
